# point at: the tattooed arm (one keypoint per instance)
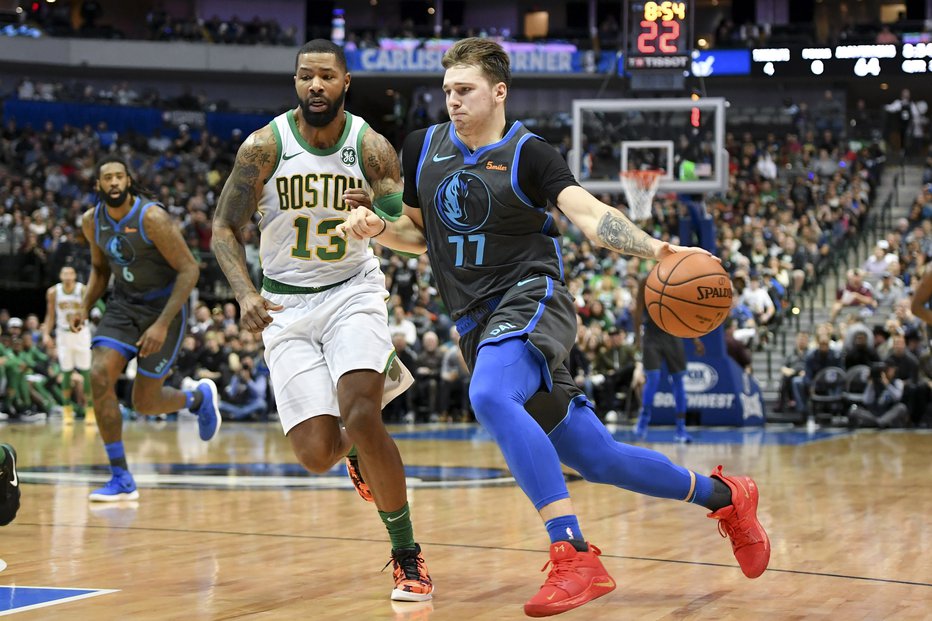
(405, 233)
(381, 165)
(255, 162)
(607, 226)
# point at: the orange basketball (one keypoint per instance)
(688, 294)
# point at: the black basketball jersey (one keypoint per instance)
(483, 233)
(139, 270)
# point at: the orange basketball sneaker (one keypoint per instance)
(738, 520)
(412, 581)
(362, 488)
(575, 578)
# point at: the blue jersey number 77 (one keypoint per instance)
(461, 240)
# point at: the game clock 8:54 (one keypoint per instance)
(658, 35)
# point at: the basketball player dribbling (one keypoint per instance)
(475, 193)
(322, 311)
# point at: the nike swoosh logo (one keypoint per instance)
(288, 157)
(397, 518)
(15, 481)
(605, 584)
(521, 283)
(551, 596)
(440, 159)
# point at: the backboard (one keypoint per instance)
(683, 138)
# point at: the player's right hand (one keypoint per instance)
(666, 248)
(77, 320)
(357, 197)
(361, 224)
(254, 312)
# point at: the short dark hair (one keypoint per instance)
(322, 46)
(487, 56)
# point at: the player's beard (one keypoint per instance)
(117, 201)
(324, 118)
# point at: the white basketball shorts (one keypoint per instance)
(74, 350)
(318, 337)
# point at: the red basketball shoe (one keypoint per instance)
(574, 579)
(739, 522)
(352, 468)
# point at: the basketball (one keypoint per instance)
(688, 294)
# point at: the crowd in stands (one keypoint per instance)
(873, 354)
(163, 27)
(117, 94)
(57, 19)
(792, 200)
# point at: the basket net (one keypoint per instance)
(640, 187)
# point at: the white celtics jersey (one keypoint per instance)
(65, 306)
(302, 203)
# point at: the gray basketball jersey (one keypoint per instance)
(139, 270)
(484, 233)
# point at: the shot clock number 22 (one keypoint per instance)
(660, 33)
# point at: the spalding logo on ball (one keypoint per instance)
(688, 294)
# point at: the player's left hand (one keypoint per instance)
(357, 197)
(666, 248)
(152, 339)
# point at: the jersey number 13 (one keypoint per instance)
(334, 251)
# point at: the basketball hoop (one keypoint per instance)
(640, 187)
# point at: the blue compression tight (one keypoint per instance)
(506, 375)
(583, 443)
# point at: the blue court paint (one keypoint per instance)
(15, 599)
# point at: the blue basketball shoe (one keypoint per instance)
(681, 436)
(120, 487)
(208, 414)
(640, 428)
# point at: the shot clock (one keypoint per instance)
(658, 35)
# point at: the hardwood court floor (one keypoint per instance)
(228, 531)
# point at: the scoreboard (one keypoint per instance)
(658, 35)
(848, 61)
